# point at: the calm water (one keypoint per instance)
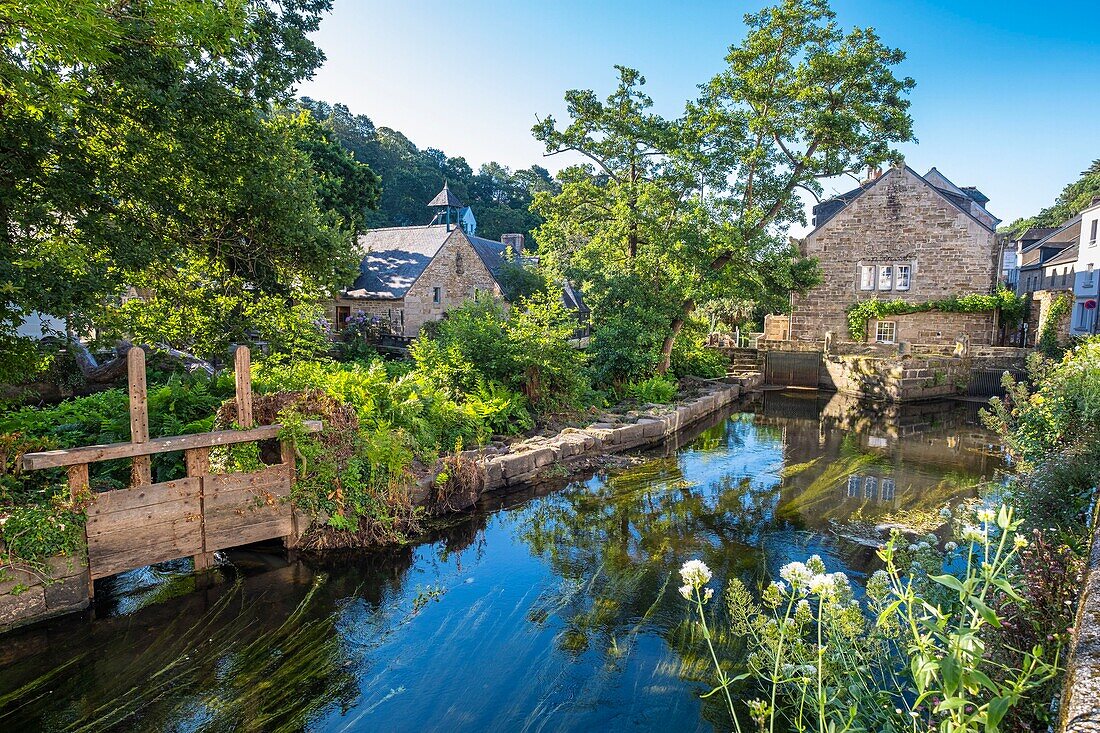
(552, 610)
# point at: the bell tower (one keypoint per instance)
(448, 206)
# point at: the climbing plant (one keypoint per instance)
(859, 313)
(1048, 335)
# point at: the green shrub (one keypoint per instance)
(657, 390)
(690, 358)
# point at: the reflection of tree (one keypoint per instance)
(616, 544)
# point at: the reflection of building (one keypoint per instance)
(875, 457)
(871, 487)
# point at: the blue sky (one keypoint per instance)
(1007, 96)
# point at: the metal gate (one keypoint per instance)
(988, 382)
(792, 369)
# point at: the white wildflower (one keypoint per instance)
(1019, 542)
(986, 515)
(970, 533)
(815, 565)
(945, 512)
(685, 591)
(951, 547)
(708, 593)
(795, 573)
(695, 573)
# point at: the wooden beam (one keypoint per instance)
(96, 453)
(142, 470)
(242, 377)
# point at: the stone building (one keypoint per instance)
(412, 275)
(900, 236)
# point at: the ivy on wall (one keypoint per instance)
(861, 312)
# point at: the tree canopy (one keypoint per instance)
(141, 140)
(411, 177)
(667, 212)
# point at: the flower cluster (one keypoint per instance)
(695, 575)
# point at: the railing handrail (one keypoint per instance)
(111, 451)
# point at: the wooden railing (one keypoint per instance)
(192, 516)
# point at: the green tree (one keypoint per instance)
(694, 208)
(138, 139)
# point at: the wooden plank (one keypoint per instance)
(242, 377)
(139, 517)
(78, 479)
(95, 453)
(290, 463)
(139, 497)
(141, 470)
(248, 533)
(122, 551)
(197, 461)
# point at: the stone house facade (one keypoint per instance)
(435, 270)
(900, 236)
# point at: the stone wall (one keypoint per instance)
(1038, 311)
(537, 458)
(894, 379)
(1080, 708)
(940, 328)
(776, 327)
(27, 596)
(389, 309)
(459, 271)
(899, 220)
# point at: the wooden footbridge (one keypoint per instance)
(193, 516)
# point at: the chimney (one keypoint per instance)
(514, 242)
(873, 174)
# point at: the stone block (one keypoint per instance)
(653, 428)
(67, 594)
(24, 608)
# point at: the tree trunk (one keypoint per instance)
(677, 325)
(666, 348)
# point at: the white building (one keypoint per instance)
(1086, 290)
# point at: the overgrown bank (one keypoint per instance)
(481, 379)
(965, 629)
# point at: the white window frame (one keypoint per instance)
(908, 269)
(1092, 232)
(870, 487)
(885, 277)
(854, 482)
(887, 489)
(868, 277)
(893, 332)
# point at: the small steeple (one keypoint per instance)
(447, 201)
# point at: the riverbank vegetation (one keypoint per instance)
(964, 629)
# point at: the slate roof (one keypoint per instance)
(491, 253)
(1068, 256)
(394, 258)
(1068, 233)
(446, 198)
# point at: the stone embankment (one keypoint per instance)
(538, 458)
(1080, 711)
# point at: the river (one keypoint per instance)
(553, 609)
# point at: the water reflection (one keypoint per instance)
(551, 609)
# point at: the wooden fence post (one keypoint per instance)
(141, 472)
(78, 484)
(197, 461)
(242, 376)
(291, 464)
